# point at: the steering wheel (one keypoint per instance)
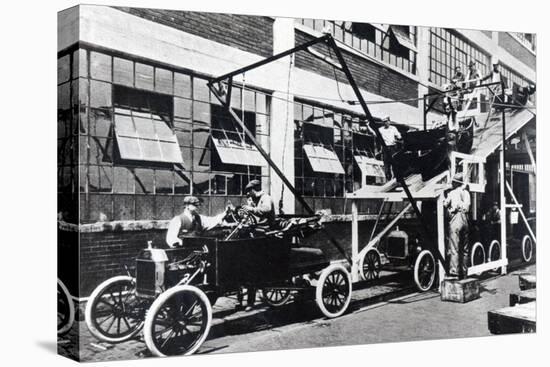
(243, 216)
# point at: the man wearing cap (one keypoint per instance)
(391, 136)
(474, 74)
(457, 203)
(190, 222)
(261, 204)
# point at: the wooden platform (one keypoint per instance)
(522, 297)
(513, 320)
(462, 291)
(527, 281)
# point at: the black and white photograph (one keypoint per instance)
(240, 183)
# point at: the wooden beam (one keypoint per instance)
(529, 152)
(519, 207)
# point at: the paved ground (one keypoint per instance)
(385, 311)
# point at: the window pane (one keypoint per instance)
(100, 94)
(182, 85)
(100, 178)
(201, 183)
(80, 63)
(261, 103)
(182, 108)
(151, 150)
(163, 80)
(182, 182)
(184, 135)
(200, 90)
(249, 100)
(144, 76)
(64, 96)
(129, 148)
(171, 152)
(100, 150)
(100, 123)
(100, 66)
(163, 182)
(201, 112)
(63, 69)
(123, 72)
(144, 180)
(125, 126)
(163, 130)
(144, 127)
(123, 180)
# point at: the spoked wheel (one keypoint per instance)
(494, 252)
(369, 265)
(333, 291)
(527, 248)
(65, 309)
(424, 271)
(477, 254)
(275, 297)
(114, 313)
(178, 321)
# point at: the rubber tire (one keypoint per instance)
(415, 271)
(157, 304)
(494, 243)
(523, 251)
(88, 311)
(362, 263)
(319, 290)
(473, 251)
(283, 301)
(65, 328)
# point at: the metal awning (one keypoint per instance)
(403, 39)
(239, 153)
(146, 137)
(323, 159)
(370, 166)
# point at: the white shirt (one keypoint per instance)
(457, 200)
(390, 135)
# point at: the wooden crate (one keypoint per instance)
(513, 320)
(527, 281)
(454, 290)
(521, 297)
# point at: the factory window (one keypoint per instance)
(146, 134)
(448, 50)
(325, 143)
(395, 45)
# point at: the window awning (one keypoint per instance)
(403, 39)
(323, 159)
(146, 137)
(370, 166)
(239, 153)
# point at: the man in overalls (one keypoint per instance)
(457, 203)
(190, 222)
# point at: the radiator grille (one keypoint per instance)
(397, 248)
(145, 278)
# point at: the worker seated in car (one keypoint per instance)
(191, 223)
(261, 204)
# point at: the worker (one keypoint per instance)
(391, 137)
(261, 205)
(457, 203)
(492, 218)
(474, 75)
(190, 222)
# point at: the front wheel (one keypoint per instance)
(113, 312)
(477, 254)
(65, 309)
(527, 248)
(424, 271)
(333, 291)
(178, 321)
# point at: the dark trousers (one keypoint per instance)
(390, 151)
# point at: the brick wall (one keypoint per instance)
(514, 47)
(370, 76)
(248, 33)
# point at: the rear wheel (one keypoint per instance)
(333, 291)
(494, 252)
(527, 248)
(369, 265)
(477, 254)
(114, 313)
(275, 297)
(178, 321)
(424, 271)
(65, 309)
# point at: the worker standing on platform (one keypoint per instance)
(391, 136)
(457, 203)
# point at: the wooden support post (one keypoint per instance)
(354, 241)
(503, 252)
(529, 152)
(440, 237)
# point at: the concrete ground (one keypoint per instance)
(388, 310)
